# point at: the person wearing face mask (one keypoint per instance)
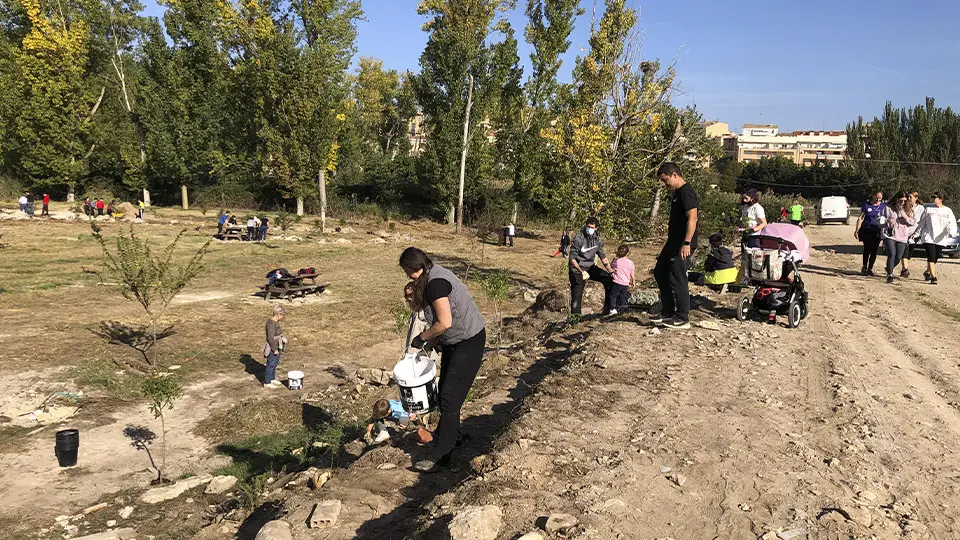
(585, 249)
(753, 217)
(867, 230)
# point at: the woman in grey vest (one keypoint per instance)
(458, 327)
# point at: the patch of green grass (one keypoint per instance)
(13, 439)
(47, 286)
(103, 375)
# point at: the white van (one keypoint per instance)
(833, 209)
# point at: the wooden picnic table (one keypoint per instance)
(294, 287)
(234, 232)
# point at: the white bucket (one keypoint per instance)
(416, 377)
(294, 380)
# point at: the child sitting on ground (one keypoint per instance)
(385, 412)
(623, 278)
(718, 268)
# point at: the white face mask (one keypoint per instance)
(590, 231)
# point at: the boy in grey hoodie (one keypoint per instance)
(584, 250)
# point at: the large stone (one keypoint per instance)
(119, 534)
(325, 514)
(531, 536)
(552, 300)
(476, 523)
(376, 376)
(275, 530)
(558, 523)
(166, 493)
(126, 512)
(221, 484)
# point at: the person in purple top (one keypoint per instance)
(867, 230)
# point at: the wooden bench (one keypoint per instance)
(294, 287)
(234, 232)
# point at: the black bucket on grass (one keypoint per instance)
(67, 447)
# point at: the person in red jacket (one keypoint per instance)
(46, 205)
(100, 207)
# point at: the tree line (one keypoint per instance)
(262, 103)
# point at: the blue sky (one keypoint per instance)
(805, 65)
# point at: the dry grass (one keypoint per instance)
(251, 418)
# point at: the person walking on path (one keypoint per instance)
(674, 259)
(585, 249)
(22, 202)
(796, 213)
(141, 206)
(46, 205)
(459, 328)
(564, 243)
(87, 207)
(898, 225)
(867, 231)
(914, 205)
(938, 229)
(624, 277)
(753, 217)
(272, 348)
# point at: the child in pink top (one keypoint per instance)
(623, 280)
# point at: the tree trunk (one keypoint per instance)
(163, 447)
(146, 197)
(183, 197)
(463, 154)
(655, 209)
(322, 187)
(300, 206)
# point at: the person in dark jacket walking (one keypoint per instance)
(459, 328)
(564, 243)
(585, 249)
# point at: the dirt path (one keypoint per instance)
(844, 428)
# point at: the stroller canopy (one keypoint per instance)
(791, 234)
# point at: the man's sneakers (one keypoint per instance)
(926, 275)
(904, 273)
(659, 318)
(612, 312)
(933, 280)
(889, 278)
(676, 323)
(274, 384)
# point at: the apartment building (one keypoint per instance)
(760, 141)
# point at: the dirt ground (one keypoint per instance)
(846, 427)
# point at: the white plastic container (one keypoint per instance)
(416, 376)
(294, 380)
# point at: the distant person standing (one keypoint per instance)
(674, 259)
(30, 204)
(564, 243)
(796, 213)
(251, 228)
(586, 248)
(87, 207)
(272, 348)
(867, 231)
(511, 232)
(222, 221)
(898, 223)
(916, 207)
(141, 206)
(753, 217)
(100, 206)
(46, 205)
(938, 229)
(624, 277)
(264, 225)
(22, 201)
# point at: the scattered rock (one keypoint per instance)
(615, 507)
(174, 367)
(476, 523)
(387, 466)
(325, 514)
(530, 295)
(275, 530)
(531, 536)
(345, 230)
(857, 514)
(342, 241)
(677, 479)
(709, 325)
(221, 484)
(655, 332)
(354, 448)
(94, 508)
(744, 507)
(769, 535)
(111, 523)
(189, 500)
(791, 534)
(552, 300)
(126, 512)
(558, 523)
(318, 481)
(166, 493)
(665, 470)
(867, 495)
(524, 443)
(832, 462)
(379, 377)
(119, 534)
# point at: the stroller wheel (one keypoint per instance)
(794, 314)
(804, 307)
(743, 307)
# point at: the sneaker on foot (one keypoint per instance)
(869, 273)
(658, 319)
(904, 274)
(863, 270)
(612, 312)
(677, 323)
(933, 280)
(890, 279)
(926, 275)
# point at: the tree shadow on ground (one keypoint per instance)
(258, 518)
(826, 271)
(483, 431)
(713, 307)
(141, 437)
(252, 367)
(138, 338)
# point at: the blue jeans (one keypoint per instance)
(617, 296)
(270, 373)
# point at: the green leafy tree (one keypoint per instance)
(152, 280)
(161, 392)
(496, 286)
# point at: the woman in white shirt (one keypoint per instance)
(916, 207)
(753, 217)
(938, 228)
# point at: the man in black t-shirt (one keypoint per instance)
(674, 259)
